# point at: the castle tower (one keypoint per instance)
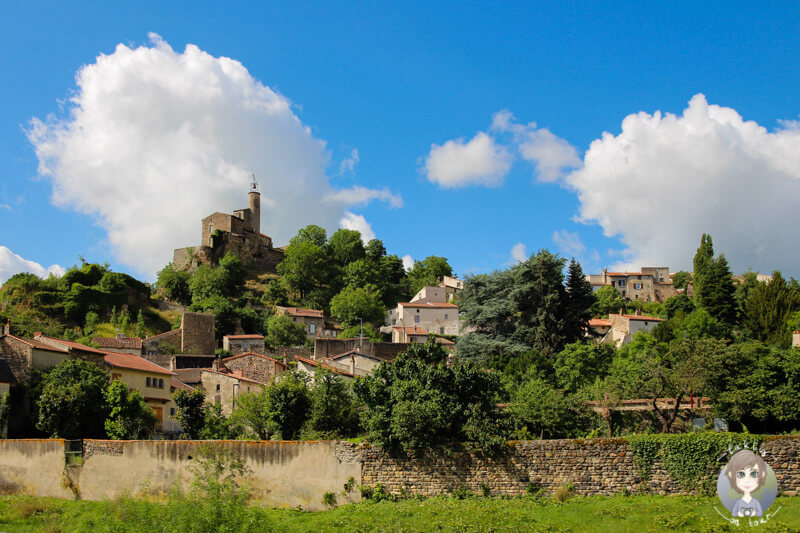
(254, 205)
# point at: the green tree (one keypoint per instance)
(681, 279)
(174, 284)
(368, 330)
(333, 412)
(713, 283)
(90, 322)
(353, 303)
(129, 416)
(703, 266)
(305, 267)
(580, 364)
(281, 331)
(252, 415)
(678, 306)
(420, 401)
(743, 290)
(311, 234)
(769, 308)
(216, 426)
(544, 411)
(288, 400)
(375, 250)
(609, 301)
(580, 300)
(276, 293)
(190, 411)
(346, 246)
(428, 272)
(72, 402)
(140, 328)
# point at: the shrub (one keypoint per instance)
(564, 492)
(329, 499)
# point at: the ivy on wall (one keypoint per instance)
(691, 459)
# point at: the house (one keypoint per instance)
(652, 284)
(385, 351)
(195, 336)
(7, 380)
(76, 350)
(430, 316)
(624, 327)
(237, 344)
(354, 362)
(312, 320)
(255, 366)
(120, 343)
(310, 367)
(153, 381)
(598, 328)
(224, 388)
(409, 334)
(452, 287)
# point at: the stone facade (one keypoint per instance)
(327, 348)
(255, 366)
(238, 233)
(238, 344)
(195, 336)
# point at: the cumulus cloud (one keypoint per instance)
(519, 253)
(568, 243)
(408, 262)
(551, 155)
(358, 223)
(359, 195)
(154, 140)
(11, 263)
(666, 179)
(348, 164)
(480, 161)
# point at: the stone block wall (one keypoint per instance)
(261, 369)
(197, 333)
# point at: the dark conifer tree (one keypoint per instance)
(580, 300)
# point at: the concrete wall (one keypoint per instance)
(33, 466)
(285, 474)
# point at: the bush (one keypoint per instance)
(564, 492)
(329, 499)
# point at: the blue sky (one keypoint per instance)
(408, 87)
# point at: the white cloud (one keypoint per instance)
(5, 206)
(551, 155)
(11, 263)
(358, 223)
(361, 195)
(666, 179)
(568, 243)
(478, 162)
(348, 164)
(519, 253)
(408, 262)
(155, 140)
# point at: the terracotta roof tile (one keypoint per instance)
(162, 334)
(70, 345)
(113, 342)
(234, 376)
(410, 330)
(299, 311)
(134, 362)
(253, 354)
(354, 352)
(39, 345)
(599, 322)
(323, 365)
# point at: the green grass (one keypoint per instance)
(617, 514)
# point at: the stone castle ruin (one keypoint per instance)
(238, 233)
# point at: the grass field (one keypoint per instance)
(616, 514)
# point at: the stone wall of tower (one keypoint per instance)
(254, 206)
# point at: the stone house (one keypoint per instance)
(430, 316)
(355, 362)
(310, 367)
(652, 284)
(452, 287)
(7, 380)
(409, 334)
(598, 328)
(153, 381)
(624, 327)
(195, 336)
(254, 366)
(120, 343)
(223, 388)
(237, 344)
(312, 320)
(385, 351)
(238, 233)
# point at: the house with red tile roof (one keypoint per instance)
(120, 343)
(255, 366)
(312, 320)
(651, 284)
(428, 312)
(624, 327)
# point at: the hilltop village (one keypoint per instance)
(229, 319)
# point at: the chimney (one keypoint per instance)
(215, 365)
(172, 363)
(796, 339)
(620, 311)
(284, 357)
(353, 364)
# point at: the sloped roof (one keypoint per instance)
(110, 343)
(71, 345)
(134, 362)
(234, 376)
(38, 345)
(299, 311)
(251, 336)
(599, 322)
(410, 330)
(179, 384)
(323, 365)
(162, 334)
(354, 352)
(253, 354)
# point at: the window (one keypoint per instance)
(218, 387)
(294, 319)
(441, 330)
(312, 328)
(160, 383)
(638, 286)
(245, 344)
(416, 319)
(147, 382)
(171, 411)
(621, 283)
(445, 316)
(394, 321)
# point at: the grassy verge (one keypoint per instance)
(617, 514)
